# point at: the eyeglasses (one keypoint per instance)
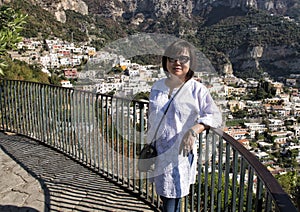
(181, 59)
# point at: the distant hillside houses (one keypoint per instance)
(58, 53)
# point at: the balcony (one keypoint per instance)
(105, 134)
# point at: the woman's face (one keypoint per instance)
(179, 64)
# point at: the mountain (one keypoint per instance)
(248, 36)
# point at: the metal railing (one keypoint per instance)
(106, 134)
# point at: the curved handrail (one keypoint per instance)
(283, 202)
(72, 121)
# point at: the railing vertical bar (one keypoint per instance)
(220, 171)
(1, 103)
(76, 123)
(26, 98)
(40, 111)
(14, 106)
(92, 127)
(242, 184)
(123, 142)
(8, 97)
(9, 104)
(22, 108)
(102, 130)
(84, 128)
(44, 115)
(213, 172)
(141, 140)
(79, 125)
(71, 122)
(22, 112)
(268, 202)
(142, 130)
(112, 131)
(117, 139)
(19, 107)
(36, 122)
(250, 189)
(8, 118)
(11, 107)
(147, 186)
(234, 179)
(99, 126)
(107, 135)
(61, 120)
(71, 137)
(89, 126)
(83, 137)
(95, 130)
(128, 144)
(206, 173)
(66, 120)
(5, 105)
(200, 161)
(49, 118)
(60, 109)
(192, 206)
(153, 193)
(134, 145)
(57, 117)
(227, 170)
(186, 202)
(259, 196)
(54, 116)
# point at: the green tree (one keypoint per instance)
(10, 28)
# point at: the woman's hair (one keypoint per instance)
(176, 48)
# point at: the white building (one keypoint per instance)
(66, 84)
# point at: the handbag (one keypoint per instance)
(147, 158)
(148, 154)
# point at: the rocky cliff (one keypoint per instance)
(58, 7)
(115, 18)
(157, 8)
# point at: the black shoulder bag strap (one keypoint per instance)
(154, 138)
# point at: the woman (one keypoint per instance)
(191, 111)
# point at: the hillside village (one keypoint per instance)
(270, 127)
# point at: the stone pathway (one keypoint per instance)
(37, 178)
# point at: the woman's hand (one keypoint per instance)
(187, 143)
(189, 138)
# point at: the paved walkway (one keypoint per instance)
(36, 178)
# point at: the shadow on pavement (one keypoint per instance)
(67, 185)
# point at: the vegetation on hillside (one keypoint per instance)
(214, 35)
(12, 22)
(11, 25)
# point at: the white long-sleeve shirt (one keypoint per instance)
(193, 104)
